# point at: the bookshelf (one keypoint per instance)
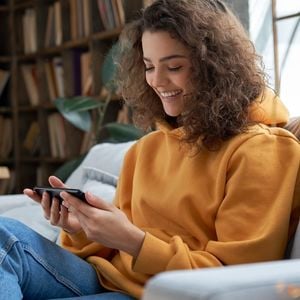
(50, 49)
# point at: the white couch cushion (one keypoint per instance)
(260, 281)
(295, 253)
(106, 157)
(22, 208)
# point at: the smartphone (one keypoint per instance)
(55, 192)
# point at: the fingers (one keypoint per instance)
(32, 194)
(56, 182)
(83, 207)
(64, 215)
(55, 212)
(98, 202)
(46, 205)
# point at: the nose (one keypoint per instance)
(158, 78)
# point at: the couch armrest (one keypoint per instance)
(259, 281)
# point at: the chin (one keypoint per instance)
(173, 113)
(173, 110)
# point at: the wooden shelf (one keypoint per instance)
(27, 108)
(5, 110)
(50, 49)
(23, 5)
(4, 8)
(5, 59)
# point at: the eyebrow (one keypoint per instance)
(169, 57)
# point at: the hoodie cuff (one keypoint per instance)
(77, 240)
(153, 257)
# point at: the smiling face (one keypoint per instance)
(168, 69)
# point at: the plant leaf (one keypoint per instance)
(79, 118)
(79, 103)
(76, 110)
(64, 171)
(122, 132)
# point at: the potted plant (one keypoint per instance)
(88, 114)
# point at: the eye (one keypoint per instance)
(148, 68)
(174, 69)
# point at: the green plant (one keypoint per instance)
(87, 113)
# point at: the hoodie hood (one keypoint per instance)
(268, 109)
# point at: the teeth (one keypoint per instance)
(170, 94)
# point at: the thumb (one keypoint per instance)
(56, 182)
(97, 201)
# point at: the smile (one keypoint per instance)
(170, 94)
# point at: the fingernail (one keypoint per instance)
(65, 204)
(88, 194)
(63, 194)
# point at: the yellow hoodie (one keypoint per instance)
(216, 208)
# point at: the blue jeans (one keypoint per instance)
(32, 267)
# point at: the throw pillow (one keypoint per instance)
(99, 183)
(105, 156)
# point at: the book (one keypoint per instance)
(29, 31)
(60, 134)
(7, 185)
(121, 12)
(110, 14)
(86, 74)
(73, 19)
(57, 63)
(49, 33)
(86, 12)
(116, 15)
(32, 139)
(103, 14)
(4, 76)
(30, 79)
(52, 136)
(51, 82)
(76, 71)
(7, 142)
(57, 135)
(58, 23)
(96, 24)
(79, 21)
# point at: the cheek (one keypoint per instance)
(185, 80)
(148, 79)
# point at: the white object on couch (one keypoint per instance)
(105, 157)
(276, 280)
(99, 183)
(98, 172)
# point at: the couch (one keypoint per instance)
(98, 173)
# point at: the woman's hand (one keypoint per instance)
(104, 223)
(58, 215)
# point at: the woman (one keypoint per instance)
(205, 189)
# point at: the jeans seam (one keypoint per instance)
(52, 270)
(6, 248)
(13, 240)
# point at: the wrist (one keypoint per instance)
(135, 241)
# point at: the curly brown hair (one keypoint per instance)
(227, 74)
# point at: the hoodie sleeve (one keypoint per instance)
(79, 245)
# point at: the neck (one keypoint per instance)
(172, 121)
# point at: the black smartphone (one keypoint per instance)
(55, 192)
